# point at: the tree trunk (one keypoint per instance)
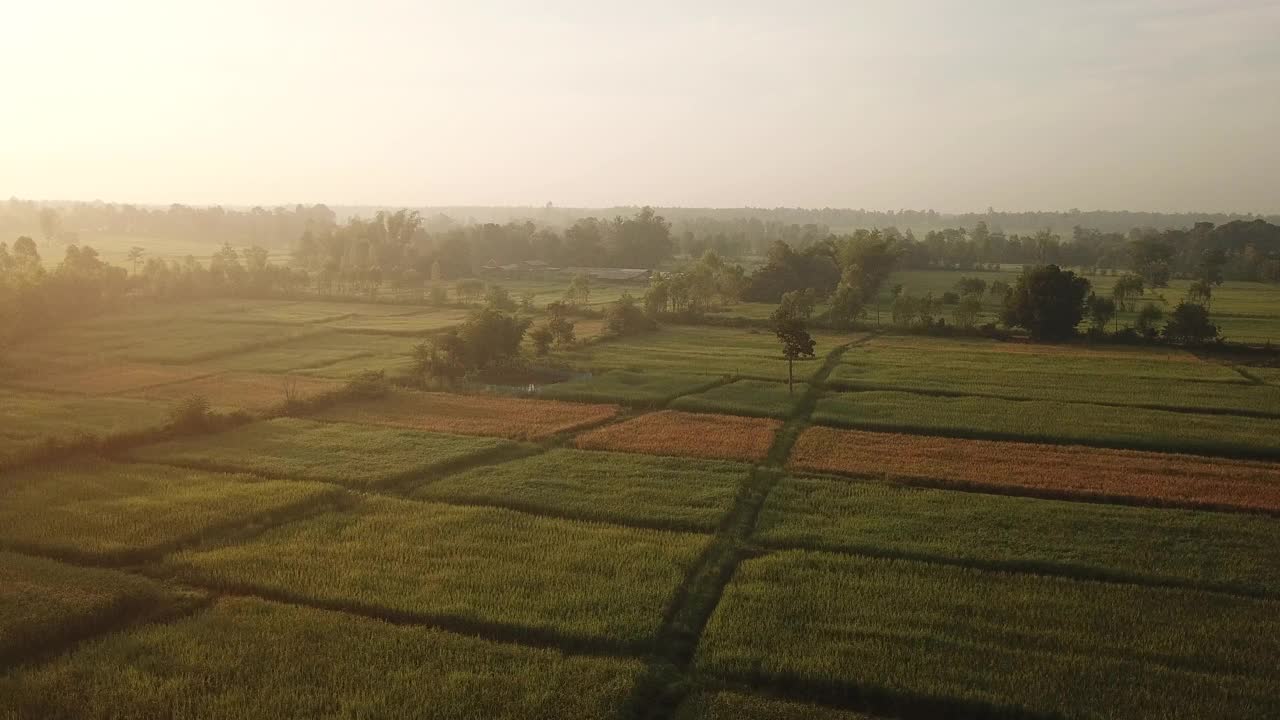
(789, 376)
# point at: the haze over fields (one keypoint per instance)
(1143, 104)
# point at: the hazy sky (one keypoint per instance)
(1138, 104)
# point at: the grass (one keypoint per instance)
(471, 568)
(1138, 376)
(900, 634)
(319, 354)
(1213, 550)
(27, 417)
(718, 437)
(253, 392)
(1053, 422)
(100, 511)
(111, 379)
(1062, 470)
(627, 388)
(676, 350)
(246, 658)
(44, 603)
(515, 418)
(177, 340)
(358, 455)
(671, 493)
(746, 397)
(738, 706)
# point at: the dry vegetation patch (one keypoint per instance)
(255, 392)
(515, 418)
(1064, 469)
(671, 432)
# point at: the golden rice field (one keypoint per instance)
(670, 432)
(514, 418)
(1056, 469)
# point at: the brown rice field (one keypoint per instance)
(1052, 469)
(720, 437)
(254, 392)
(514, 418)
(111, 379)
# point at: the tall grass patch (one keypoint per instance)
(247, 658)
(1216, 550)
(509, 572)
(1065, 470)
(746, 397)
(103, 511)
(674, 493)
(720, 437)
(44, 603)
(1056, 422)
(359, 455)
(627, 388)
(908, 634)
(515, 418)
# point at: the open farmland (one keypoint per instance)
(515, 418)
(250, 658)
(996, 642)
(690, 434)
(359, 455)
(1047, 421)
(469, 567)
(643, 540)
(665, 492)
(119, 512)
(1067, 470)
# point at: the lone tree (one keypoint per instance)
(790, 328)
(1048, 301)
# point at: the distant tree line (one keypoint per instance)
(33, 298)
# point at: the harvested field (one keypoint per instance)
(1063, 470)
(515, 418)
(254, 392)
(721, 437)
(111, 379)
(247, 658)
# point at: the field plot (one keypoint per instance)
(719, 437)
(1186, 547)
(737, 706)
(358, 455)
(110, 379)
(1053, 422)
(746, 397)
(104, 511)
(515, 418)
(678, 494)
(519, 574)
(247, 658)
(180, 340)
(1139, 377)
(43, 602)
(253, 392)
(324, 354)
(701, 351)
(628, 388)
(408, 323)
(907, 633)
(1064, 470)
(27, 417)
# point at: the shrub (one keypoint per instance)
(367, 384)
(191, 414)
(625, 317)
(1190, 325)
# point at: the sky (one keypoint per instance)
(1164, 105)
